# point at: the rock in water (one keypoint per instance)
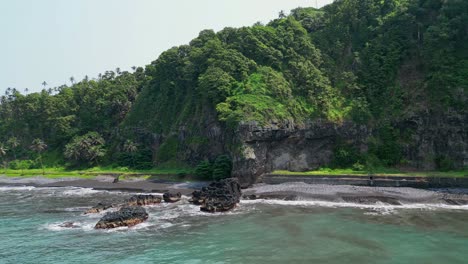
(98, 208)
(219, 196)
(141, 200)
(197, 197)
(126, 216)
(171, 197)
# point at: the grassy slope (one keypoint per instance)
(382, 172)
(93, 172)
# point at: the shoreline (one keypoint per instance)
(106, 183)
(420, 182)
(287, 191)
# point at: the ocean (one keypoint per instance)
(255, 232)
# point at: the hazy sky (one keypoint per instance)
(51, 40)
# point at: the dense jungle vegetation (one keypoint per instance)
(367, 61)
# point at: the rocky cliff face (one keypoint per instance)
(255, 149)
(291, 147)
(436, 139)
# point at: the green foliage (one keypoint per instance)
(22, 164)
(204, 170)
(219, 169)
(168, 150)
(387, 148)
(222, 167)
(373, 62)
(345, 156)
(89, 148)
(444, 163)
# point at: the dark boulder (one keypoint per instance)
(126, 216)
(98, 208)
(197, 197)
(219, 196)
(141, 200)
(172, 197)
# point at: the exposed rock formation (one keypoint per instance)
(291, 147)
(126, 216)
(172, 197)
(98, 208)
(68, 225)
(141, 200)
(219, 196)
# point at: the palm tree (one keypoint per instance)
(3, 152)
(130, 147)
(13, 142)
(44, 83)
(39, 146)
(72, 80)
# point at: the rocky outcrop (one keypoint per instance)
(98, 208)
(142, 200)
(219, 196)
(292, 147)
(126, 216)
(172, 197)
(435, 140)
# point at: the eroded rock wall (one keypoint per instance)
(291, 147)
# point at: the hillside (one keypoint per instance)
(354, 84)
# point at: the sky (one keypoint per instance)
(53, 40)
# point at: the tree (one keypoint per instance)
(3, 152)
(39, 146)
(282, 14)
(131, 148)
(13, 142)
(72, 80)
(204, 170)
(88, 148)
(44, 83)
(222, 167)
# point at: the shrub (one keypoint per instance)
(204, 170)
(444, 163)
(222, 167)
(344, 156)
(22, 164)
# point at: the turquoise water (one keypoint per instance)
(255, 232)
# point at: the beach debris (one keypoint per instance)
(219, 196)
(126, 216)
(172, 197)
(143, 199)
(98, 208)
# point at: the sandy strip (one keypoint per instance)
(355, 194)
(106, 183)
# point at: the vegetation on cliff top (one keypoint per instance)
(374, 62)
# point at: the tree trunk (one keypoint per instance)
(42, 165)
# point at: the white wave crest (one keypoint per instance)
(80, 191)
(16, 188)
(377, 206)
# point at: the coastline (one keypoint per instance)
(106, 183)
(286, 191)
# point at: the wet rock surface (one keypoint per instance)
(141, 200)
(98, 208)
(219, 196)
(126, 216)
(172, 197)
(68, 225)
